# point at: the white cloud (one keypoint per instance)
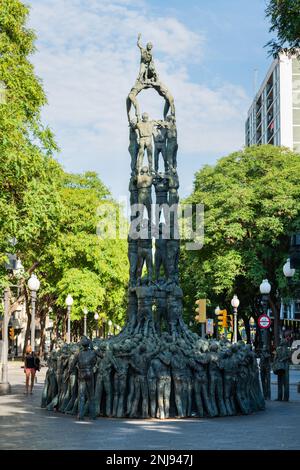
(88, 60)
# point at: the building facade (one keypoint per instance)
(274, 115)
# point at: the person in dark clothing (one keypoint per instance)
(31, 365)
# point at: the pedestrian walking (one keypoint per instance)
(31, 365)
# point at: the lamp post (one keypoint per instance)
(33, 285)
(265, 289)
(109, 326)
(69, 303)
(217, 311)
(96, 317)
(235, 303)
(85, 312)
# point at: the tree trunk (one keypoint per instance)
(27, 333)
(43, 335)
(247, 329)
(276, 314)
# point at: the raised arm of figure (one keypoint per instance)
(139, 41)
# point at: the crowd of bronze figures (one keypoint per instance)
(156, 367)
(138, 377)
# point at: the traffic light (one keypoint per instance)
(222, 318)
(11, 333)
(201, 311)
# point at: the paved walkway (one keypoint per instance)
(24, 425)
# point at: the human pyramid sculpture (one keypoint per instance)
(156, 367)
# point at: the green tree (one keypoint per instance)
(29, 178)
(251, 202)
(284, 16)
(94, 270)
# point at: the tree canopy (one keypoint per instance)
(252, 203)
(284, 16)
(52, 215)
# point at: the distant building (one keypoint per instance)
(274, 116)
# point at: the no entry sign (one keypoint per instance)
(264, 321)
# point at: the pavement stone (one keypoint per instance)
(24, 425)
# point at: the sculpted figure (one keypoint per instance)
(145, 294)
(133, 260)
(173, 203)
(85, 360)
(161, 304)
(216, 393)
(132, 310)
(172, 146)
(173, 249)
(61, 364)
(72, 376)
(144, 186)
(147, 70)
(139, 362)
(161, 260)
(281, 368)
(159, 380)
(265, 372)
(242, 379)
(178, 367)
(257, 401)
(145, 129)
(198, 363)
(173, 187)
(131, 99)
(105, 365)
(161, 184)
(133, 189)
(159, 137)
(144, 254)
(50, 386)
(174, 308)
(133, 145)
(169, 100)
(120, 378)
(229, 370)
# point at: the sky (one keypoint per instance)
(205, 51)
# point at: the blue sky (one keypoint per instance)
(205, 52)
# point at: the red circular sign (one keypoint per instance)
(264, 321)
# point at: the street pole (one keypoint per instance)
(5, 385)
(203, 330)
(235, 325)
(32, 333)
(69, 324)
(84, 324)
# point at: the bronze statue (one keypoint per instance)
(281, 369)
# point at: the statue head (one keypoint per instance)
(149, 46)
(144, 170)
(213, 347)
(145, 117)
(84, 342)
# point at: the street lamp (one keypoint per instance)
(85, 312)
(235, 303)
(69, 303)
(109, 325)
(287, 270)
(96, 317)
(33, 286)
(217, 311)
(265, 289)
